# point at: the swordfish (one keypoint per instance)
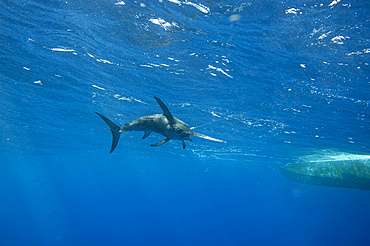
(165, 124)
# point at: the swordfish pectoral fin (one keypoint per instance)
(183, 144)
(207, 137)
(165, 110)
(160, 142)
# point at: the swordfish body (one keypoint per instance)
(165, 124)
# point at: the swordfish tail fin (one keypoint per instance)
(115, 130)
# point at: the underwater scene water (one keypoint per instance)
(285, 85)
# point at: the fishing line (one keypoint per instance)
(208, 123)
(192, 128)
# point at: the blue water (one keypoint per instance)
(275, 79)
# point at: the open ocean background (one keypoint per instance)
(275, 79)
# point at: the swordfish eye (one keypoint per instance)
(186, 137)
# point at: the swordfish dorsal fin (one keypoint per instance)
(166, 112)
